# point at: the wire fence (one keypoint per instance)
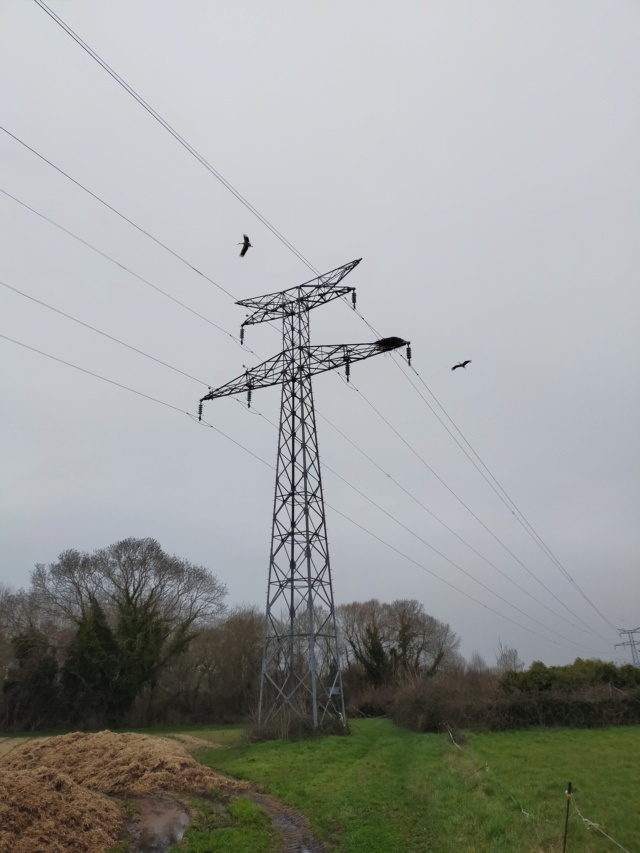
(571, 806)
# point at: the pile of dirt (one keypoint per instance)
(43, 810)
(120, 764)
(54, 792)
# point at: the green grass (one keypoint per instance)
(386, 789)
(242, 828)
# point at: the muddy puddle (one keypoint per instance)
(160, 821)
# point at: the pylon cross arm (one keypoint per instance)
(320, 359)
(270, 372)
(275, 306)
(330, 356)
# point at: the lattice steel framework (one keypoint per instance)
(632, 642)
(300, 666)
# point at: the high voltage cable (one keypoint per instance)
(123, 267)
(165, 124)
(104, 334)
(117, 212)
(155, 287)
(518, 514)
(202, 382)
(91, 373)
(446, 526)
(281, 237)
(271, 228)
(442, 580)
(439, 553)
(264, 462)
(335, 473)
(479, 520)
(132, 390)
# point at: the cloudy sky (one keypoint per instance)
(482, 159)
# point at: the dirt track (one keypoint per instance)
(295, 829)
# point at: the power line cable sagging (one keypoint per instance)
(165, 124)
(206, 164)
(193, 417)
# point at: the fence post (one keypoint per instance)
(566, 820)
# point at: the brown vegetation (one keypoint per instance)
(55, 790)
(43, 810)
(119, 764)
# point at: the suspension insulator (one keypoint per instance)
(409, 355)
(200, 411)
(249, 398)
(347, 369)
(241, 334)
(353, 299)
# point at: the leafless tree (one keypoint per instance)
(507, 659)
(133, 573)
(399, 639)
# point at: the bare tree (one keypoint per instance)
(477, 664)
(395, 641)
(507, 659)
(133, 573)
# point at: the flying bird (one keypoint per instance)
(461, 364)
(246, 245)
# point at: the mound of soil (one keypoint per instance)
(54, 792)
(120, 764)
(43, 810)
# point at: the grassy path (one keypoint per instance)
(385, 789)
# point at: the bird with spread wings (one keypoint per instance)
(461, 364)
(246, 245)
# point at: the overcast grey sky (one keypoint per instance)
(482, 159)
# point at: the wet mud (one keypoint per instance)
(160, 822)
(294, 827)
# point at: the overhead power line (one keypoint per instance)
(203, 422)
(450, 530)
(117, 212)
(438, 552)
(182, 304)
(123, 267)
(511, 505)
(191, 415)
(478, 519)
(335, 473)
(291, 247)
(100, 332)
(520, 517)
(165, 124)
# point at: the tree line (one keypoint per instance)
(131, 636)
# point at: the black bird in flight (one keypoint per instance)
(246, 245)
(461, 364)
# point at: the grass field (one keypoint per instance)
(385, 789)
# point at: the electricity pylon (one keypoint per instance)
(632, 642)
(300, 665)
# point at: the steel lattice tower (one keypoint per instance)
(632, 643)
(300, 666)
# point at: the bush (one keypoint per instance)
(371, 701)
(477, 701)
(461, 700)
